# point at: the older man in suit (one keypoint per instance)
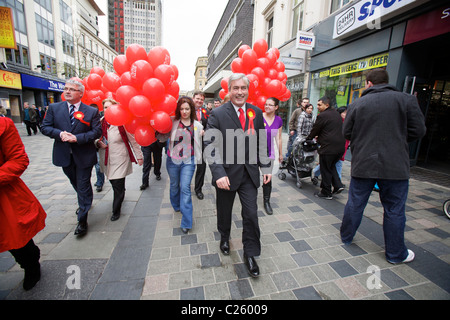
(235, 158)
(74, 126)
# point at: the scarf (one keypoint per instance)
(123, 134)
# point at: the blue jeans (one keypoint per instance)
(393, 194)
(180, 175)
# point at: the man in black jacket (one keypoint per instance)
(380, 125)
(328, 130)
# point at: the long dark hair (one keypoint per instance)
(190, 102)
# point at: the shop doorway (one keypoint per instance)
(432, 151)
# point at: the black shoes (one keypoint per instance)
(32, 276)
(200, 195)
(184, 230)
(115, 216)
(99, 188)
(225, 247)
(143, 186)
(252, 266)
(81, 229)
(158, 177)
(339, 190)
(323, 196)
(268, 207)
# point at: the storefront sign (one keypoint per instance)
(10, 80)
(41, 83)
(305, 40)
(368, 14)
(360, 65)
(428, 25)
(7, 31)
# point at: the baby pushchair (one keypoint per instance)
(301, 161)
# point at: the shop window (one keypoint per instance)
(297, 17)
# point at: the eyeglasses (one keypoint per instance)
(70, 89)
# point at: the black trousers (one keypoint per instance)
(118, 186)
(248, 194)
(330, 176)
(30, 125)
(155, 148)
(200, 175)
(27, 256)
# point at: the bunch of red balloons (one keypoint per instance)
(145, 87)
(265, 72)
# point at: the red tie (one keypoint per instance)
(199, 115)
(242, 118)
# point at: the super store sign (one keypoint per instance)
(368, 14)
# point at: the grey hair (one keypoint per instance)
(237, 76)
(79, 85)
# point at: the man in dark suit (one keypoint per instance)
(201, 115)
(235, 158)
(74, 126)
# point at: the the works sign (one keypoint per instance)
(369, 14)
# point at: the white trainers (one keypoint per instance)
(409, 258)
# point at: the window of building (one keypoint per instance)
(48, 63)
(19, 56)
(270, 32)
(67, 44)
(46, 4)
(45, 31)
(337, 4)
(66, 13)
(297, 17)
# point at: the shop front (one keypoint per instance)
(407, 41)
(11, 94)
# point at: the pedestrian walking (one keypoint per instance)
(380, 125)
(185, 148)
(117, 151)
(293, 123)
(21, 214)
(328, 130)
(155, 149)
(201, 115)
(235, 166)
(273, 125)
(29, 118)
(74, 126)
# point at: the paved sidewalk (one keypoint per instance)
(144, 255)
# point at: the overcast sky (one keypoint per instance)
(188, 26)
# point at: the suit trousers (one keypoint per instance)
(118, 186)
(156, 148)
(248, 194)
(80, 178)
(200, 175)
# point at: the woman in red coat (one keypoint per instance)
(21, 214)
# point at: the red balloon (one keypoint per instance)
(175, 69)
(263, 63)
(282, 77)
(254, 82)
(121, 64)
(98, 70)
(222, 94)
(136, 122)
(117, 115)
(95, 97)
(286, 96)
(260, 101)
(144, 135)
(271, 57)
(94, 81)
(161, 122)
(154, 89)
(224, 84)
(276, 52)
(273, 88)
(157, 56)
(165, 73)
(125, 93)
(242, 49)
(140, 71)
(125, 79)
(111, 81)
(140, 106)
(135, 52)
(279, 66)
(259, 72)
(237, 65)
(167, 105)
(249, 58)
(174, 90)
(272, 73)
(260, 46)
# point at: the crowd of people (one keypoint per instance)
(239, 142)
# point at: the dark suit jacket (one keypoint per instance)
(236, 150)
(57, 120)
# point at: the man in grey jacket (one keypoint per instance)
(380, 125)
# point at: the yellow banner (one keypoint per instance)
(10, 80)
(360, 65)
(7, 31)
